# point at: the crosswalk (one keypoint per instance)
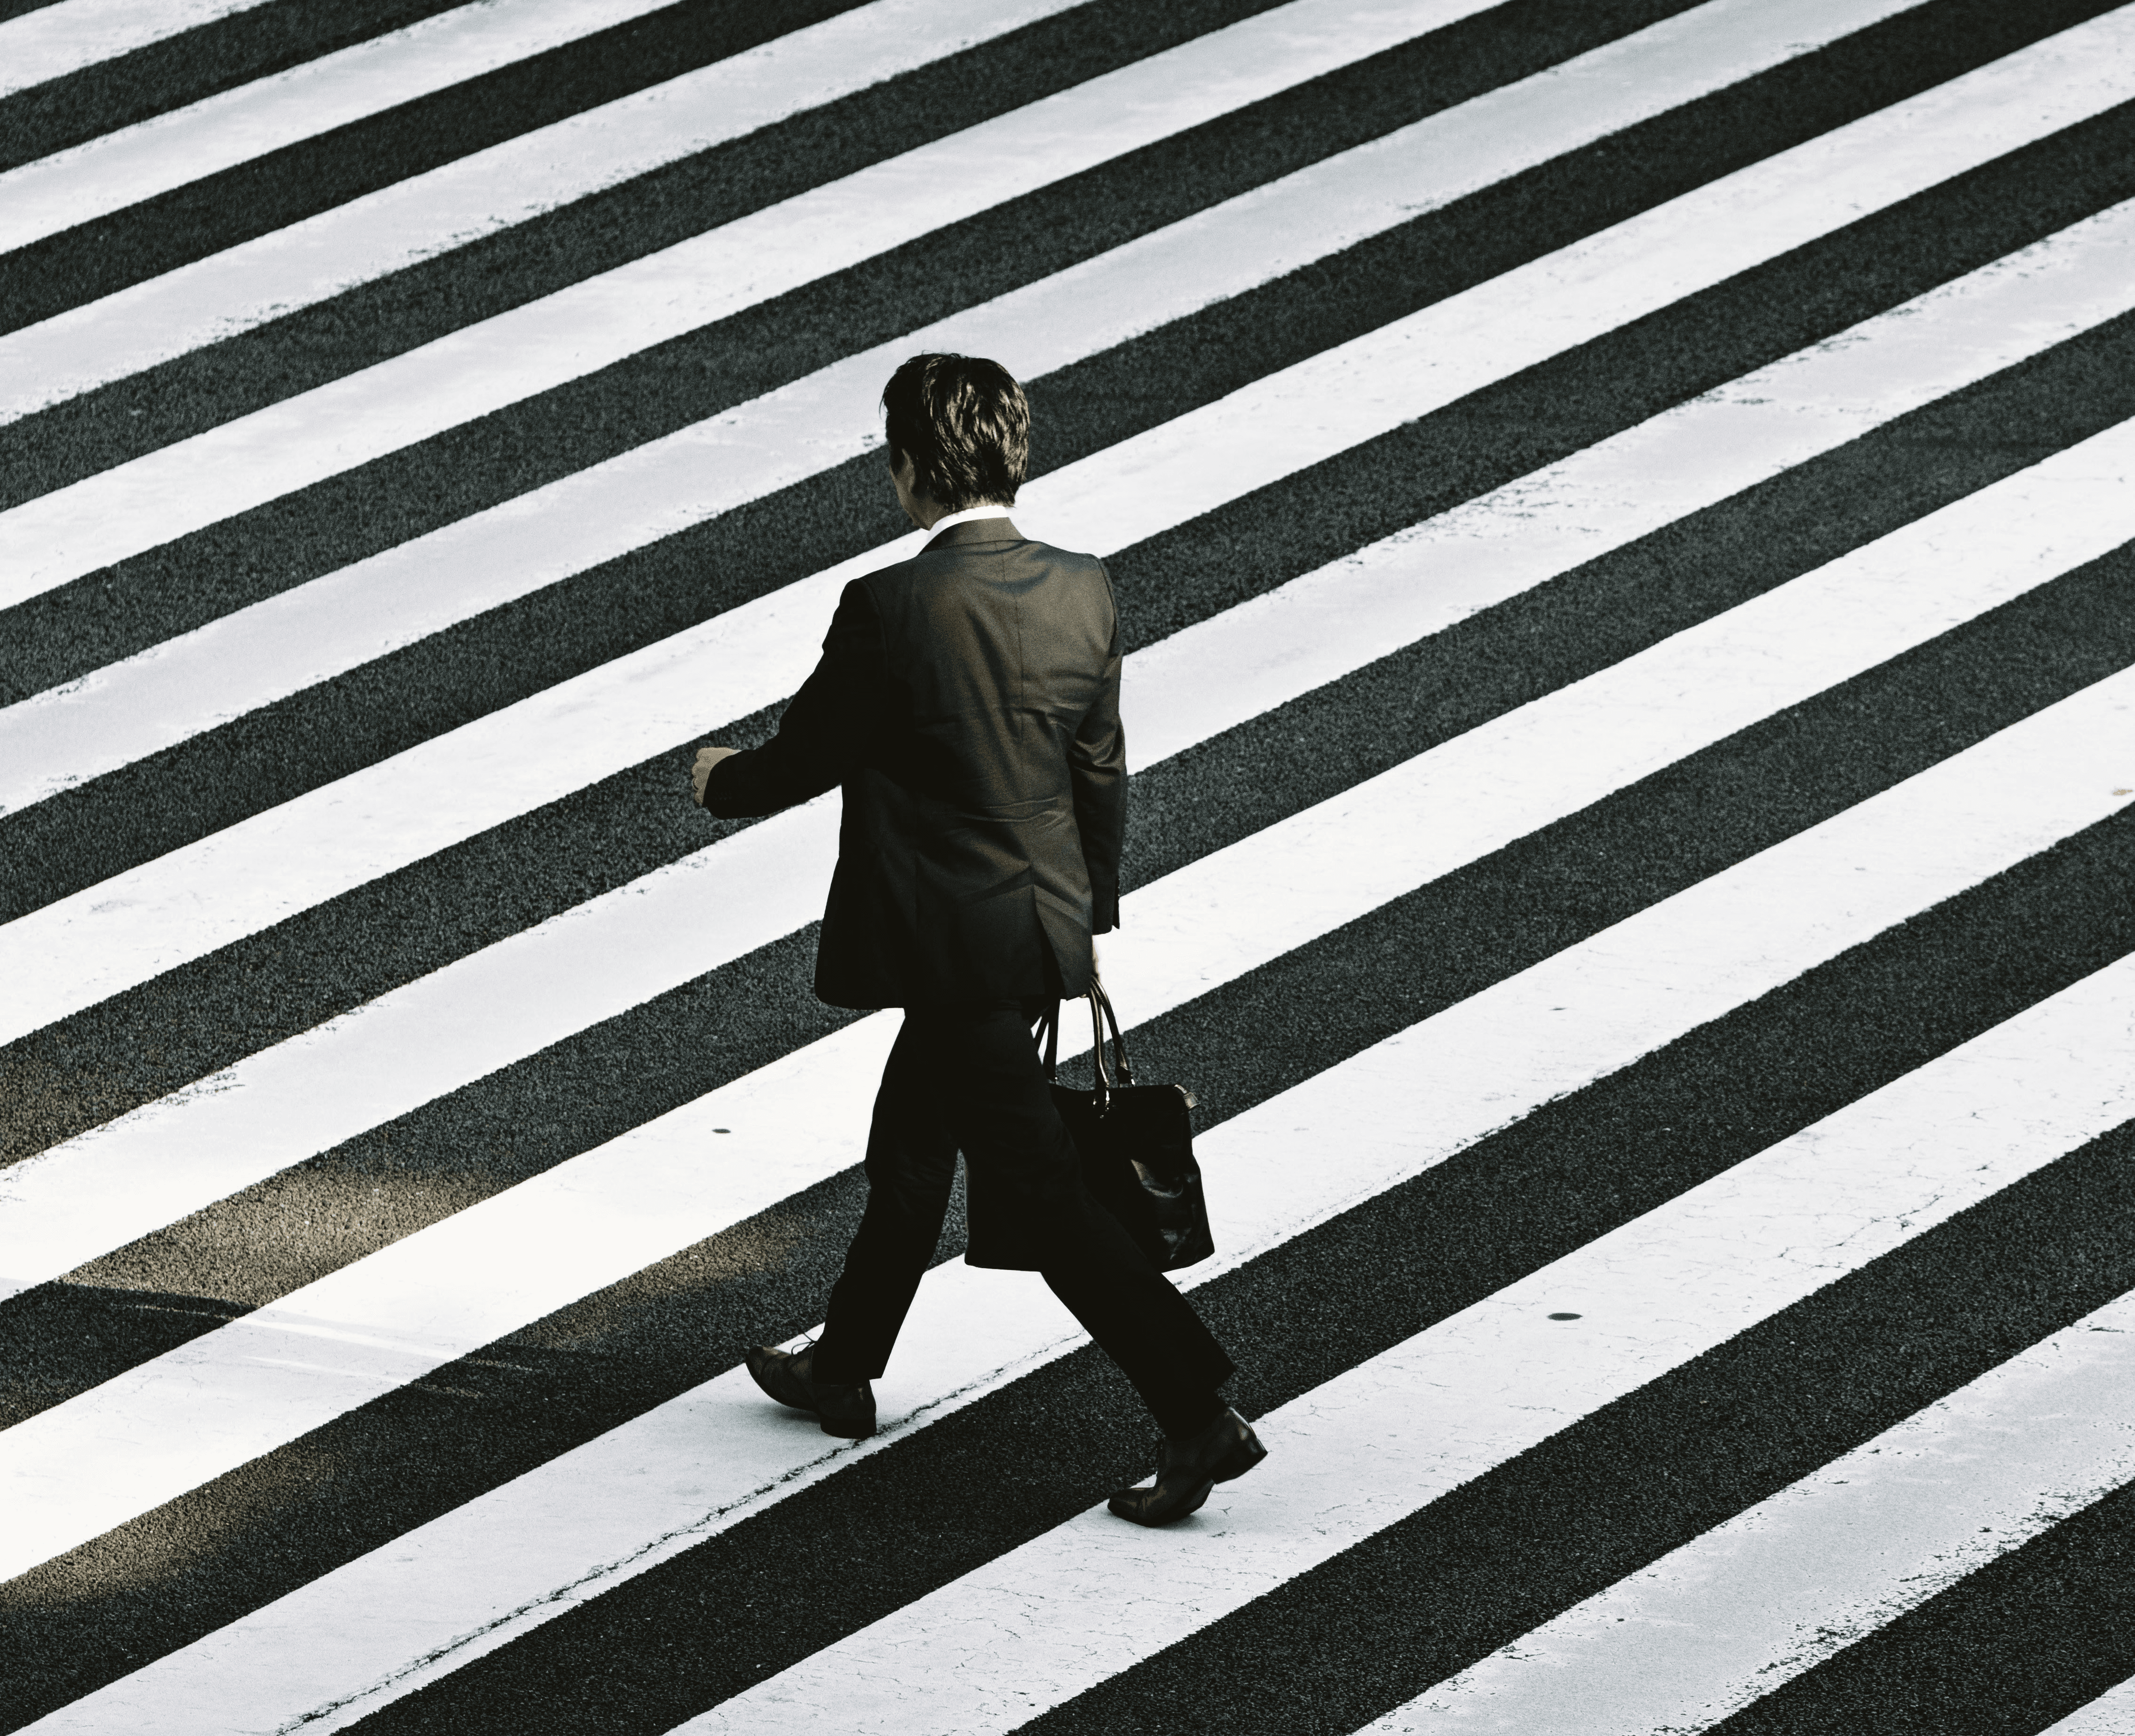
(1625, 521)
(45, 44)
(1719, 1622)
(449, 1028)
(134, 164)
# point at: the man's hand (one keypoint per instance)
(707, 757)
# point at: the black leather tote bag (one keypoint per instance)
(1136, 1143)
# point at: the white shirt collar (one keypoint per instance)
(990, 509)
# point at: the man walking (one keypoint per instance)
(967, 701)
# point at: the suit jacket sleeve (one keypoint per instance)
(1097, 763)
(825, 728)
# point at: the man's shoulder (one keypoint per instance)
(1065, 556)
(1067, 562)
(980, 548)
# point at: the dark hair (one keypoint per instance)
(964, 422)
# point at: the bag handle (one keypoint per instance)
(1101, 1015)
(1100, 1000)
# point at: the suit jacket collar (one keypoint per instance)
(971, 531)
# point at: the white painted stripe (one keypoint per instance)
(118, 169)
(2112, 1714)
(459, 202)
(579, 329)
(150, 919)
(275, 648)
(111, 1453)
(496, 1006)
(54, 41)
(1046, 1622)
(532, 1548)
(1776, 1590)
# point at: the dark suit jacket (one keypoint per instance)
(968, 700)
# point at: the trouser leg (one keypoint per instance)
(1003, 1116)
(911, 1166)
(1140, 1320)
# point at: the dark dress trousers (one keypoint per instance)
(967, 701)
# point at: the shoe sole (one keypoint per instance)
(843, 1428)
(1240, 1459)
(1199, 1499)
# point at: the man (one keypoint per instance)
(967, 700)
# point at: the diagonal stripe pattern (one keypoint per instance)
(1918, 725)
(126, 167)
(1341, 399)
(437, 1295)
(2042, 1435)
(461, 1023)
(515, 183)
(49, 42)
(1432, 1413)
(1221, 251)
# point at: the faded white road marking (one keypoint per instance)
(54, 41)
(1752, 1603)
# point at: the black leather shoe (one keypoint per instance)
(1186, 1471)
(844, 1408)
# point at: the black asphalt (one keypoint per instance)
(2011, 1648)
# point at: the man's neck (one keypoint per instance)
(984, 510)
